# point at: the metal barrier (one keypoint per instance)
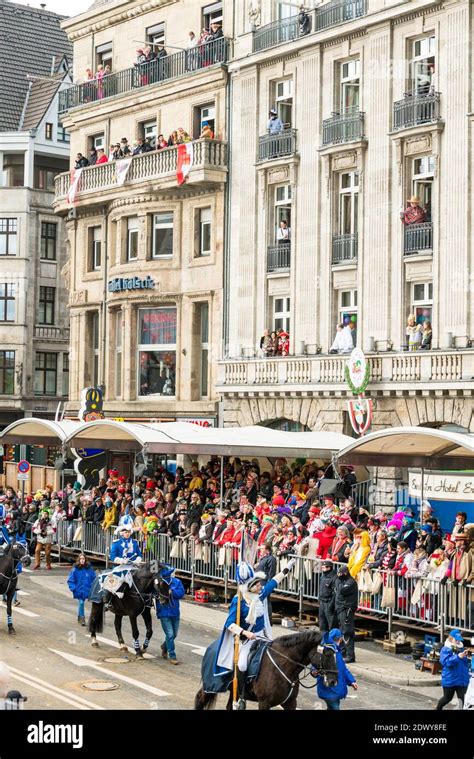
(419, 600)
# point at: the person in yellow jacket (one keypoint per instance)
(359, 552)
(110, 516)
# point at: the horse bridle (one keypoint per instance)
(299, 679)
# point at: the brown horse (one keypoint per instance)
(278, 681)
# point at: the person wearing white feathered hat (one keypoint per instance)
(249, 622)
(125, 550)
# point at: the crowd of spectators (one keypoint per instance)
(275, 343)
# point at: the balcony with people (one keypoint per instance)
(153, 66)
(278, 142)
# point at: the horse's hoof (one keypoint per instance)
(11, 630)
(94, 644)
(139, 654)
(123, 647)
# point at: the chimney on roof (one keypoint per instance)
(43, 5)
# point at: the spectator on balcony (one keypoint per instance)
(142, 147)
(206, 131)
(161, 142)
(216, 32)
(116, 152)
(101, 157)
(283, 233)
(427, 337)
(414, 333)
(266, 345)
(81, 161)
(93, 157)
(192, 55)
(304, 22)
(125, 147)
(99, 79)
(344, 341)
(413, 213)
(275, 124)
(173, 139)
(283, 342)
(183, 136)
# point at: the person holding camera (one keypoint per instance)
(44, 531)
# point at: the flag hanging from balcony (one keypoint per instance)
(121, 170)
(185, 161)
(75, 177)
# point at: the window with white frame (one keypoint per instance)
(95, 248)
(281, 314)
(205, 231)
(422, 301)
(284, 101)
(348, 203)
(282, 213)
(97, 141)
(423, 171)
(204, 367)
(423, 65)
(348, 310)
(132, 238)
(104, 55)
(212, 14)
(62, 135)
(149, 130)
(349, 86)
(204, 114)
(157, 329)
(118, 353)
(162, 241)
(155, 35)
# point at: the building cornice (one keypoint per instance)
(75, 28)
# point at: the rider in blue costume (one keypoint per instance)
(254, 622)
(125, 550)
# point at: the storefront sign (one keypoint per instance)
(208, 422)
(119, 284)
(442, 487)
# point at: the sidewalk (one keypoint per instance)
(372, 666)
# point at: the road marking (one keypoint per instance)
(79, 661)
(52, 690)
(200, 650)
(25, 612)
(116, 644)
(23, 593)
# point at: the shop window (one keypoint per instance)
(157, 351)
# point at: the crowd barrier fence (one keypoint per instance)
(419, 600)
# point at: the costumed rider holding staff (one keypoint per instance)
(124, 552)
(247, 620)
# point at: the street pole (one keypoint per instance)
(222, 482)
(22, 458)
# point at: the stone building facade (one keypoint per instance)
(376, 102)
(146, 256)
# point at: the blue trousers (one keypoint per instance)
(333, 705)
(81, 607)
(170, 627)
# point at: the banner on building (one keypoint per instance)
(438, 486)
(121, 170)
(75, 177)
(185, 161)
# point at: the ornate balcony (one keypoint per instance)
(344, 249)
(343, 127)
(416, 110)
(315, 373)
(279, 257)
(418, 238)
(59, 334)
(272, 146)
(137, 77)
(99, 183)
(339, 12)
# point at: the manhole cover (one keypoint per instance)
(117, 660)
(100, 685)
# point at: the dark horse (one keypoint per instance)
(13, 554)
(278, 681)
(137, 600)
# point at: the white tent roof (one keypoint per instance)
(177, 437)
(412, 447)
(34, 431)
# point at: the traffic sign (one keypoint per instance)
(23, 466)
(23, 476)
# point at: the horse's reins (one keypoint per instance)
(291, 683)
(14, 575)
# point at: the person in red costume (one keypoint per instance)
(413, 213)
(326, 538)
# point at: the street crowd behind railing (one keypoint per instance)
(401, 569)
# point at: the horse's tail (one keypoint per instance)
(96, 619)
(204, 701)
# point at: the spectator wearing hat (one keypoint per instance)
(275, 124)
(327, 618)
(333, 695)
(413, 213)
(346, 601)
(170, 591)
(349, 479)
(325, 538)
(408, 533)
(267, 530)
(455, 673)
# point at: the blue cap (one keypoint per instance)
(334, 635)
(427, 528)
(456, 634)
(167, 573)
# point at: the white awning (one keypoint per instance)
(412, 447)
(35, 431)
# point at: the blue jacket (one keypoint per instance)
(344, 678)
(171, 609)
(455, 670)
(259, 625)
(125, 549)
(80, 581)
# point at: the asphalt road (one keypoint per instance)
(54, 665)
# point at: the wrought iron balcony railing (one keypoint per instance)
(416, 109)
(157, 71)
(418, 238)
(294, 27)
(279, 257)
(347, 126)
(344, 249)
(271, 146)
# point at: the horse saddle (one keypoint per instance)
(257, 652)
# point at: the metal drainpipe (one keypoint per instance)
(227, 216)
(104, 301)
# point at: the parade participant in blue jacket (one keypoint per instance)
(167, 610)
(125, 550)
(334, 694)
(254, 622)
(80, 580)
(4, 535)
(455, 674)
